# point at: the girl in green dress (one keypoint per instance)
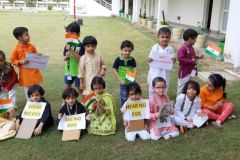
(101, 110)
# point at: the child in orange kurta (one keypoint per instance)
(213, 99)
(27, 76)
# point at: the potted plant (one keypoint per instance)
(121, 13)
(150, 22)
(178, 31)
(221, 44)
(144, 20)
(202, 36)
(163, 23)
(140, 17)
(130, 17)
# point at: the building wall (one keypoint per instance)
(232, 47)
(88, 8)
(116, 6)
(190, 11)
(216, 15)
(155, 9)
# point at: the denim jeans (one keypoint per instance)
(123, 93)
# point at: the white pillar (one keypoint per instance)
(232, 47)
(162, 6)
(152, 8)
(126, 6)
(148, 13)
(136, 10)
(116, 6)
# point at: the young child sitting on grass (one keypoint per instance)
(102, 111)
(214, 100)
(35, 93)
(134, 95)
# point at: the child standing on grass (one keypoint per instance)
(91, 64)
(156, 101)
(214, 103)
(35, 93)
(188, 105)
(102, 111)
(123, 63)
(187, 59)
(8, 80)
(27, 76)
(72, 53)
(164, 35)
(134, 94)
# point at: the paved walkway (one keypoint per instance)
(206, 66)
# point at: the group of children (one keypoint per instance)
(85, 68)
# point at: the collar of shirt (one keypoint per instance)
(163, 50)
(124, 59)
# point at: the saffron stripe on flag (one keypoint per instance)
(71, 38)
(130, 76)
(88, 97)
(5, 104)
(213, 50)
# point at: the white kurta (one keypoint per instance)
(181, 117)
(155, 72)
(89, 67)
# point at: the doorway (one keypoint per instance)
(209, 14)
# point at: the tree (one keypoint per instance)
(31, 2)
(11, 1)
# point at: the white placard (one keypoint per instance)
(198, 121)
(72, 122)
(36, 61)
(33, 110)
(137, 110)
(165, 116)
(163, 61)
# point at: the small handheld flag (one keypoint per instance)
(5, 104)
(71, 38)
(87, 101)
(213, 50)
(130, 76)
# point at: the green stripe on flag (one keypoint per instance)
(89, 103)
(211, 54)
(4, 110)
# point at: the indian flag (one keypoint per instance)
(5, 104)
(213, 50)
(87, 101)
(130, 76)
(71, 38)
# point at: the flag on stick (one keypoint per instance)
(213, 50)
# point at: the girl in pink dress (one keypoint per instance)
(156, 101)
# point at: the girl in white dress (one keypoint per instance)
(164, 35)
(188, 106)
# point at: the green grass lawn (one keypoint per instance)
(47, 34)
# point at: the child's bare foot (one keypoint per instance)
(217, 124)
(182, 129)
(232, 116)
